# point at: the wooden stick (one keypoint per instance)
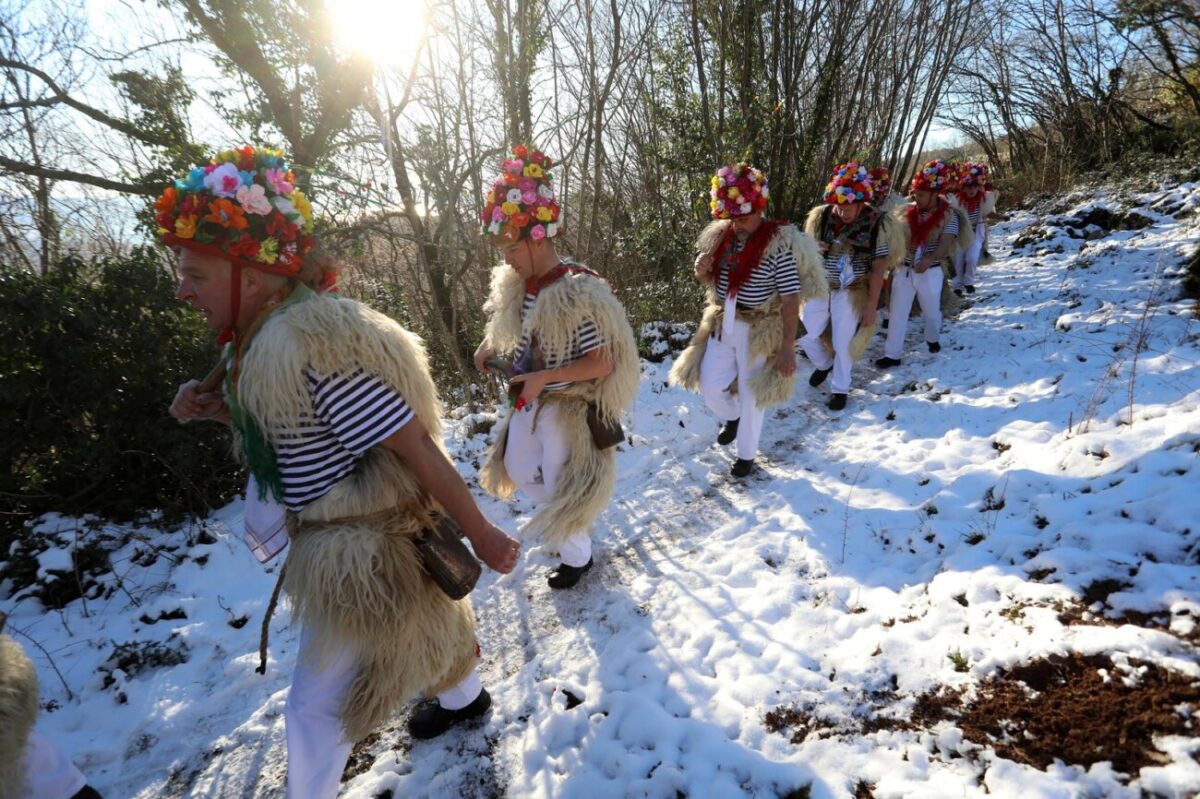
(214, 379)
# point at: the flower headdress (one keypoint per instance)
(851, 183)
(883, 182)
(737, 190)
(242, 206)
(521, 203)
(973, 175)
(933, 176)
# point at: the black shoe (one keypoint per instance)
(933, 346)
(741, 467)
(87, 792)
(884, 324)
(970, 289)
(728, 432)
(566, 576)
(958, 292)
(837, 402)
(887, 363)
(429, 719)
(818, 376)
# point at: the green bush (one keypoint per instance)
(91, 355)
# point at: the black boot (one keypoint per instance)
(887, 363)
(818, 376)
(87, 792)
(728, 432)
(933, 346)
(429, 719)
(567, 576)
(837, 402)
(970, 289)
(741, 467)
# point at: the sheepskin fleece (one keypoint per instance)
(18, 710)
(894, 230)
(588, 479)
(353, 573)
(950, 302)
(989, 204)
(766, 323)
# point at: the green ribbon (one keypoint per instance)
(257, 451)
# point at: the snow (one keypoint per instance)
(954, 508)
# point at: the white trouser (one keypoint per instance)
(49, 773)
(927, 288)
(838, 311)
(316, 748)
(535, 458)
(965, 262)
(726, 359)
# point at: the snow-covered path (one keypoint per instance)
(749, 639)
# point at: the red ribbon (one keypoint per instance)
(921, 228)
(741, 264)
(535, 285)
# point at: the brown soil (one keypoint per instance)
(1060, 707)
(1050, 708)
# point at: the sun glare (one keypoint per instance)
(386, 31)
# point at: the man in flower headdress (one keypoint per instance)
(742, 358)
(575, 361)
(977, 198)
(858, 241)
(883, 197)
(932, 227)
(337, 419)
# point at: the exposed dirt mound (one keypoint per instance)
(1081, 710)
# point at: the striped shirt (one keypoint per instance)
(352, 413)
(860, 261)
(587, 338)
(935, 238)
(774, 273)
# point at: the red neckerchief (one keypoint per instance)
(741, 264)
(922, 228)
(971, 204)
(535, 285)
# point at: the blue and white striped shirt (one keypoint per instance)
(352, 413)
(860, 261)
(774, 273)
(587, 338)
(935, 237)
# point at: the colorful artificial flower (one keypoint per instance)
(227, 214)
(243, 204)
(737, 190)
(268, 252)
(304, 208)
(520, 203)
(883, 183)
(185, 226)
(973, 175)
(254, 200)
(933, 176)
(851, 183)
(224, 181)
(279, 181)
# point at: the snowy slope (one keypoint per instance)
(947, 525)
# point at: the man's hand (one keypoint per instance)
(703, 267)
(531, 384)
(481, 355)
(785, 361)
(924, 265)
(495, 548)
(189, 405)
